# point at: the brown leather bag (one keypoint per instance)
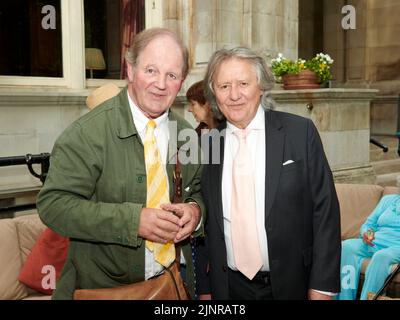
(167, 286)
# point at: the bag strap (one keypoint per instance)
(177, 179)
(177, 198)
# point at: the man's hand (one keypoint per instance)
(315, 295)
(189, 217)
(158, 225)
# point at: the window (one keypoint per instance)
(33, 56)
(110, 26)
(30, 37)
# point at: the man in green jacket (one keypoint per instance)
(96, 191)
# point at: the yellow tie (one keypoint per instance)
(157, 192)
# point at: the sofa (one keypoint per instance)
(18, 235)
(356, 203)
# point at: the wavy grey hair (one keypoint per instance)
(265, 77)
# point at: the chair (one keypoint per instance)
(378, 295)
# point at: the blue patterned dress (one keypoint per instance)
(385, 222)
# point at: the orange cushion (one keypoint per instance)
(43, 266)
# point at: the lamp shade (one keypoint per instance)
(94, 59)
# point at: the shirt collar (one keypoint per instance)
(257, 123)
(141, 120)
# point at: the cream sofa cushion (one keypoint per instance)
(17, 237)
(390, 190)
(10, 262)
(356, 204)
(29, 228)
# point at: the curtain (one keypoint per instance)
(132, 20)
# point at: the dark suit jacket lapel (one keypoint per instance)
(218, 173)
(275, 139)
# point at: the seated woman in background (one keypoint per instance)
(380, 241)
(200, 108)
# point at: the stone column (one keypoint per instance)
(382, 67)
(268, 27)
(274, 27)
(367, 56)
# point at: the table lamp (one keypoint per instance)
(94, 60)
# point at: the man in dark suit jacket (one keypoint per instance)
(297, 218)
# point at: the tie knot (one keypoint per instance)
(151, 124)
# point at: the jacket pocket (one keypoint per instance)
(109, 262)
(296, 165)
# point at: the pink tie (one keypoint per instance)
(246, 248)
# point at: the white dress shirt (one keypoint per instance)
(256, 144)
(161, 134)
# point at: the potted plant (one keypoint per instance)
(302, 74)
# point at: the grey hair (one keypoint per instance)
(142, 39)
(265, 77)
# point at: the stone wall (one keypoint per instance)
(207, 25)
(269, 27)
(369, 56)
(383, 63)
(342, 119)
(30, 123)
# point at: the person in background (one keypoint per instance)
(273, 222)
(200, 108)
(110, 180)
(204, 115)
(380, 241)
